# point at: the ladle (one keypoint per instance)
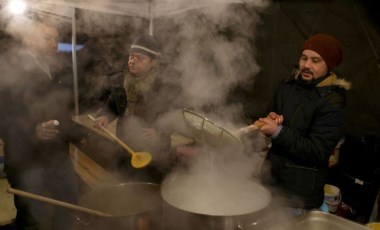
(139, 159)
(57, 202)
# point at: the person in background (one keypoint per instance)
(36, 126)
(305, 124)
(139, 97)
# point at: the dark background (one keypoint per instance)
(355, 23)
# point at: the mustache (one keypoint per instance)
(307, 70)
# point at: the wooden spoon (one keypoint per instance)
(57, 202)
(250, 128)
(139, 159)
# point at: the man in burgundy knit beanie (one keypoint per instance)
(328, 47)
(305, 123)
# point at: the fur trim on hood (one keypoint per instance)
(332, 79)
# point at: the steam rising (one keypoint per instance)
(210, 51)
(206, 52)
(207, 49)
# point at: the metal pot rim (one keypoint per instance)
(172, 204)
(88, 197)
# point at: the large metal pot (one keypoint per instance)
(188, 208)
(136, 205)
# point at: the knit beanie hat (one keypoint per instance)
(147, 45)
(328, 47)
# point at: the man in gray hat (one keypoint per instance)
(138, 98)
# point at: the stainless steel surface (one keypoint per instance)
(175, 219)
(317, 220)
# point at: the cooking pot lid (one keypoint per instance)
(207, 132)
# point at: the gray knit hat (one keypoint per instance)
(147, 45)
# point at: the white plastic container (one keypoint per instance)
(332, 197)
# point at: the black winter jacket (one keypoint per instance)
(160, 99)
(27, 98)
(313, 120)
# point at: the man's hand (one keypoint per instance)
(279, 119)
(271, 123)
(270, 126)
(47, 130)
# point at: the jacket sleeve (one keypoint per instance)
(314, 147)
(114, 98)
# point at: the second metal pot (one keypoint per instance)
(135, 205)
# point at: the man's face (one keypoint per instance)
(45, 42)
(139, 64)
(312, 65)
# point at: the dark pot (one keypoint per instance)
(132, 206)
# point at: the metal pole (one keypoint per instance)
(150, 19)
(75, 72)
(75, 69)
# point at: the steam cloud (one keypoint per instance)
(211, 51)
(207, 51)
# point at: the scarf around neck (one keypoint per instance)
(136, 87)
